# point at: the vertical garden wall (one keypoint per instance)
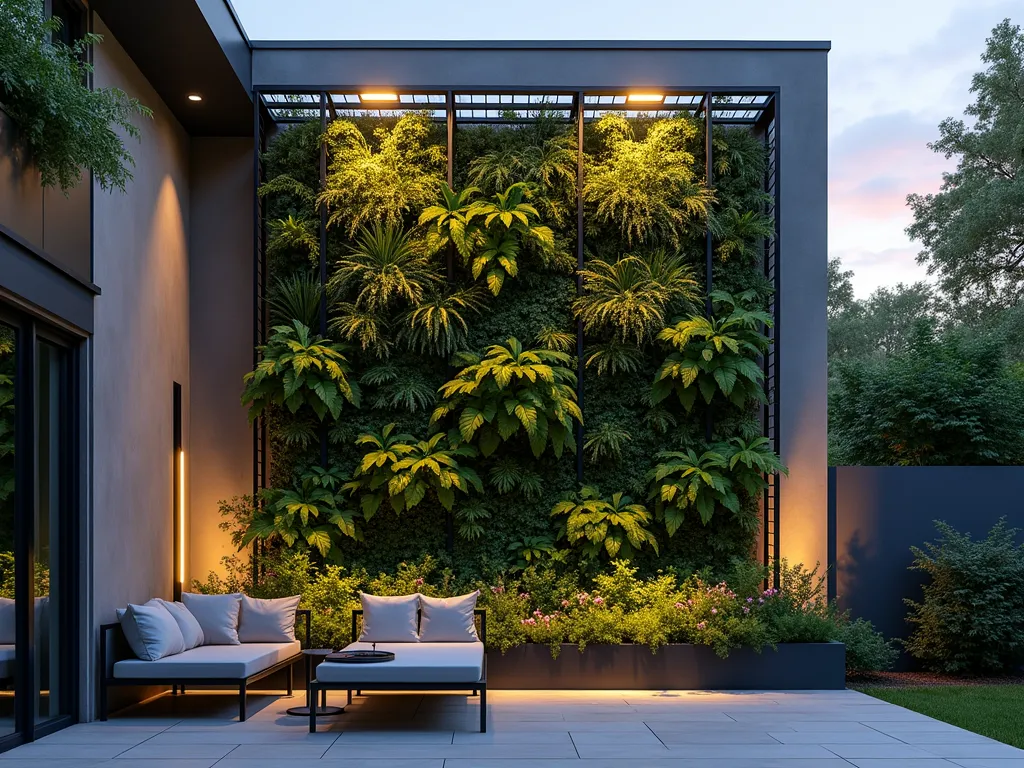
(515, 326)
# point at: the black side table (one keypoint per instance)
(321, 710)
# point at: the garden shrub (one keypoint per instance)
(867, 650)
(971, 620)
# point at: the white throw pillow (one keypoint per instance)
(448, 619)
(7, 622)
(217, 615)
(389, 619)
(187, 623)
(267, 621)
(151, 631)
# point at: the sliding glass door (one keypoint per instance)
(38, 528)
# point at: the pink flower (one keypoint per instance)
(598, 600)
(680, 606)
(524, 595)
(565, 603)
(750, 599)
(497, 590)
(760, 601)
(702, 625)
(418, 582)
(746, 609)
(714, 611)
(689, 603)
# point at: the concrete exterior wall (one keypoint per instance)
(45, 219)
(141, 346)
(879, 513)
(800, 73)
(220, 444)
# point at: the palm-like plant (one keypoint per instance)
(292, 234)
(647, 188)
(312, 513)
(299, 369)
(509, 476)
(612, 524)
(738, 234)
(470, 518)
(437, 325)
(513, 390)
(398, 387)
(630, 296)
(510, 211)
(365, 184)
(404, 470)
(384, 267)
(716, 354)
(296, 298)
(751, 462)
(614, 357)
(556, 339)
(606, 441)
(362, 326)
(448, 219)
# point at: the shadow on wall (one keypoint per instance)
(879, 513)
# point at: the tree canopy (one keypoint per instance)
(972, 230)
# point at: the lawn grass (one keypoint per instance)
(996, 711)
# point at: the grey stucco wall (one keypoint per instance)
(140, 347)
(220, 444)
(800, 74)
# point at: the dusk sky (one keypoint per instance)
(897, 68)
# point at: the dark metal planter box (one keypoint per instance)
(794, 666)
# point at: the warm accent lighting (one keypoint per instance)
(645, 97)
(378, 97)
(181, 516)
(194, 97)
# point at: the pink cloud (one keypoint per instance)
(876, 163)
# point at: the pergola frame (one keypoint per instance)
(757, 106)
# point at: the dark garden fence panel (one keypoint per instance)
(876, 514)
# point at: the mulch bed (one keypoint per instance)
(924, 680)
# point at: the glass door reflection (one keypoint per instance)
(8, 606)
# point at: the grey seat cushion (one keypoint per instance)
(414, 663)
(211, 661)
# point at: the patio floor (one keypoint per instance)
(553, 729)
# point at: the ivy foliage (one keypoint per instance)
(65, 125)
(513, 390)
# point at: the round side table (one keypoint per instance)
(321, 709)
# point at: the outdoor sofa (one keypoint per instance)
(223, 665)
(417, 666)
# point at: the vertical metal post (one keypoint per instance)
(259, 293)
(708, 245)
(323, 256)
(450, 120)
(580, 102)
(176, 499)
(25, 494)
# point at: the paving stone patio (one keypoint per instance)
(549, 729)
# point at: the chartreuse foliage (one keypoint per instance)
(403, 470)
(614, 525)
(510, 391)
(300, 369)
(716, 356)
(710, 481)
(311, 514)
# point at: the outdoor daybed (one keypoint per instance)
(221, 663)
(417, 666)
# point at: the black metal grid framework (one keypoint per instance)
(176, 498)
(755, 108)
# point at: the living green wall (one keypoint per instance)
(645, 200)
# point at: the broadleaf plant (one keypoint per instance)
(402, 470)
(299, 368)
(715, 356)
(614, 525)
(512, 391)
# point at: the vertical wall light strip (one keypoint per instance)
(178, 498)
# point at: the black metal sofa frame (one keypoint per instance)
(114, 633)
(479, 687)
